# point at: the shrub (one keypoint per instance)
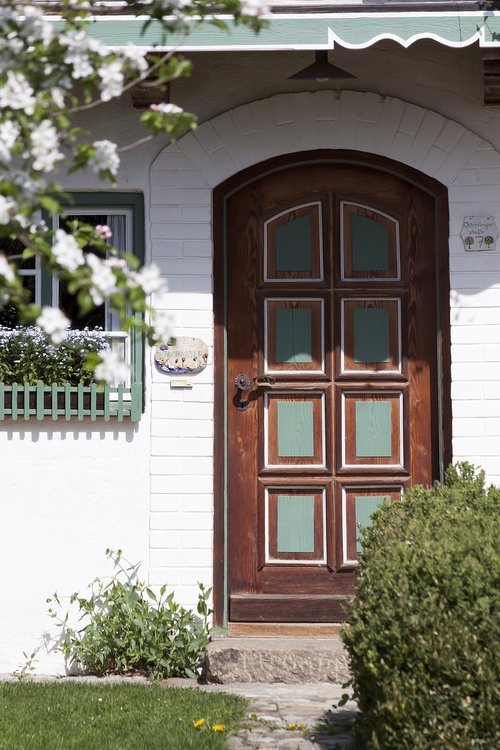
(128, 628)
(28, 356)
(423, 634)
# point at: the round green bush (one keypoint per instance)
(423, 634)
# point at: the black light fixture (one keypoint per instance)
(321, 70)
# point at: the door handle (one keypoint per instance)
(245, 384)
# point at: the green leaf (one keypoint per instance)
(49, 204)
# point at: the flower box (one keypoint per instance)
(42, 401)
(27, 354)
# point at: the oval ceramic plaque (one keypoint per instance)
(184, 355)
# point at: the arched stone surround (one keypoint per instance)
(182, 179)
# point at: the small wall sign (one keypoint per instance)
(479, 233)
(182, 356)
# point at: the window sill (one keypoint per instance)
(69, 402)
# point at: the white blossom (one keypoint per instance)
(54, 323)
(79, 44)
(149, 279)
(16, 93)
(6, 270)
(169, 5)
(12, 43)
(45, 147)
(67, 252)
(81, 64)
(253, 7)
(103, 279)
(136, 56)
(162, 325)
(112, 79)
(9, 132)
(115, 262)
(58, 94)
(112, 369)
(104, 231)
(7, 14)
(105, 157)
(166, 108)
(36, 27)
(8, 208)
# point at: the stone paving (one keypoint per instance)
(291, 717)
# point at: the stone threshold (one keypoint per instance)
(284, 659)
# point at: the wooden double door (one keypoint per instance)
(333, 377)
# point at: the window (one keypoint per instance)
(120, 219)
(124, 214)
(30, 273)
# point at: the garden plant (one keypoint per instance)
(27, 355)
(124, 627)
(423, 633)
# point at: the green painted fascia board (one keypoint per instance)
(309, 31)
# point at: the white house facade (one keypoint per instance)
(368, 369)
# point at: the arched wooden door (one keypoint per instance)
(333, 334)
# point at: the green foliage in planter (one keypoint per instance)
(423, 635)
(28, 356)
(127, 628)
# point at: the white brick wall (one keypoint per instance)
(182, 179)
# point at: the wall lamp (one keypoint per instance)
(321, 70)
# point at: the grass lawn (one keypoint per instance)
(36, 716)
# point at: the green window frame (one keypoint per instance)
(55, 401)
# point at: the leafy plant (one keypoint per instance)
(25, 669)
(128, 628)
(423, 633)
(28, 356)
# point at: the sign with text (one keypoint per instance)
(479, 233)
(182, 356)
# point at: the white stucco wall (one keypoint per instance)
(68, 491)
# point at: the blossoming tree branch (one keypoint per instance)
(48, 74)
